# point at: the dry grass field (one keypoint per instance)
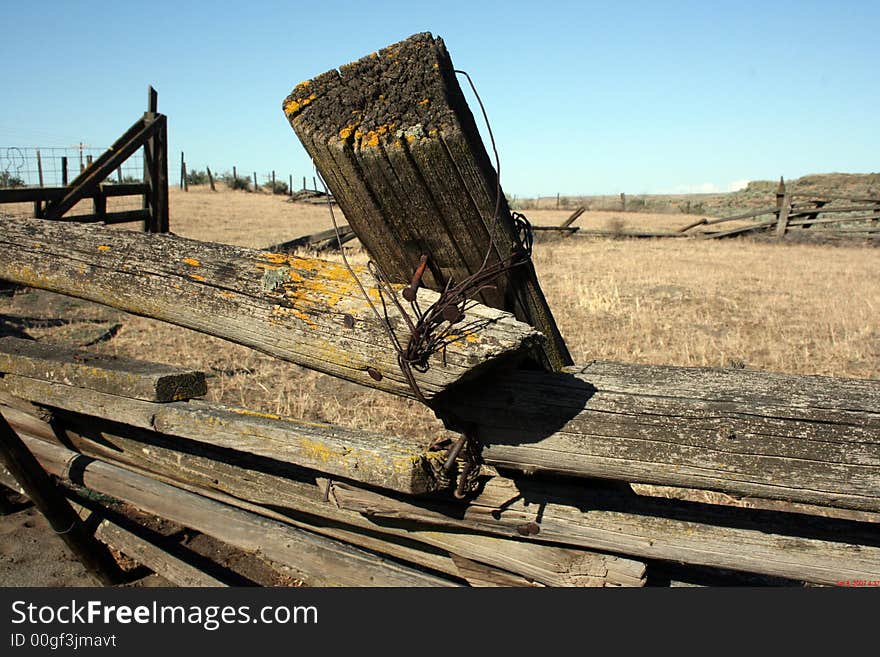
(796, 308)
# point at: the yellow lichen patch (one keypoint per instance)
(192, 262)
(372, 137)
(425, 101)
(228, 295)
(196, 277)
(410, 138)
(304, 84)
(346, 132)
(276, 258)
(294, 106)
(318, 451)
(103, 247)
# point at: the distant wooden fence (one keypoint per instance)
(836, 216)
(149, 133)
(555, 446)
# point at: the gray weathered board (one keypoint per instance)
(807, 439)
(307, 311)
(371, 458)
(319, 560)
(119, 376)
(241, 480)
(394, 138)
(795, 547)
(779, 544)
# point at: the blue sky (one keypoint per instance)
(591, 98)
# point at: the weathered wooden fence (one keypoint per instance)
(150, 133)
(559, 444)
(834, 216)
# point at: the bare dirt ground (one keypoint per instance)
(797, 308)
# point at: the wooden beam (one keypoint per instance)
(383, 461)
(320, 560)
(240, 479)
(798, 438)
(65, 522)
(573, 217)
(310, 312)
(611, 520)
(123, 377)
(321, 241)
(784, 211)
(85, 183)
(399, 148)
(153, 553)
(44, 194)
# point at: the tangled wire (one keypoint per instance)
(432, 330)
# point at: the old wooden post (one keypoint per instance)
(54, 506)
(210, 179)
(290, 185)
(784, 211)
(780, 193)
(64, 171)
(156, 168)
(40, 167)
(396, 142)
(273, 181)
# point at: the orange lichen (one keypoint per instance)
(294, 106)
(103, 247)
(346, 132)
(196, 277)
(192, 262)
(371, 138)
(425, 101)
(276, 258)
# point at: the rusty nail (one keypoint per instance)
(375, 374)
(348, 320)
(452, 314)
(409, 293)
(453, 453)
(528, 529)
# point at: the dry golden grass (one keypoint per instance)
(802, 309)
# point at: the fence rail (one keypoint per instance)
(95, 180)
(535, 491)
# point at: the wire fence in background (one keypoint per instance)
(31, 166)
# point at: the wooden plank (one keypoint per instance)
(762, 225)
(396, 142)
(745, 215)
(307, 311)
(320, 560)
(371, 458)
(573, 217)
(123, 377)
(611, 520)
(239, 479)
(155, 557)
(88, 180)
(44, 194)
(319, 241)
(784, 211)
(65, 522)
(480, 575)
(805, 439)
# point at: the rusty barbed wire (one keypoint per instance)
(439, 325)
